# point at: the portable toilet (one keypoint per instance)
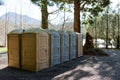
(14, 48)
(72, 44)
(64, 46)
(79, 45)
(54, 47)
(35, 50)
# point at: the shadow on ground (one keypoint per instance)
(83, 68)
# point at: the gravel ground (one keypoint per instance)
(83, 68)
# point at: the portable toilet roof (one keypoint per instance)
(16, 31)
(33, 30)
(49, 30)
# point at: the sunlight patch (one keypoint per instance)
(2, 66)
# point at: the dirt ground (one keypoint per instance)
(83, 68)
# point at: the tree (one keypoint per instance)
(118, 41)
(43, 4)
(77, 16)
(112, 29)
(44, 9)
(92, 6)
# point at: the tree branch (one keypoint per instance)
(54, 18)
(54, 11)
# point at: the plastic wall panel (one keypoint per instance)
(14, 50)
(55, 48)
(79, 45)
(64, 46)
(72, 42)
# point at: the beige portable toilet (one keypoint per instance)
(54, 47)
(79, 45)
(72, 45)
(14, 48)
(35, 50)
(64, 46)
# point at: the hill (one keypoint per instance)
(17, 18)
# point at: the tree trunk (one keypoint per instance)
(95, 33)
(77, 16)
(107, 31)
(118, 34)
(44, 12)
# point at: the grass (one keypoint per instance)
(3, 49)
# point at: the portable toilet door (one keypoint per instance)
(29, 51)
(54, 48)
(35, 51)
(72, 38)
(64, 46)
(57, 47)
(73, 45)
(14, 48)
(43, 51)
(79, 45)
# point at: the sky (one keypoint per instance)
(25, 7)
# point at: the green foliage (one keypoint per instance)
(41, 2)
(100, 24)
(1, 2)
(51, 3)
(94, 7)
